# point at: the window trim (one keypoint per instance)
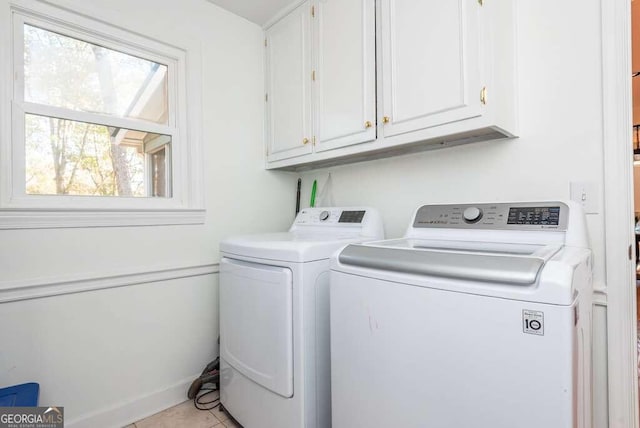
(19, 210)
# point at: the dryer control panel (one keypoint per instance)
(330, 216)
(360, 221)
(515, 216)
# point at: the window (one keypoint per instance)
(64, 75)
(99, 122)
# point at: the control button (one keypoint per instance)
(472, 214)
(324, 215)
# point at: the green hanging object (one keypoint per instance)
(313, 194)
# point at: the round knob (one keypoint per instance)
(324, 215)
(472, 214)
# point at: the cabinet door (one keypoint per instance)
(289, 85)
(345, 73)
(430, 63)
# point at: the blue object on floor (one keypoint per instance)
(24, 395)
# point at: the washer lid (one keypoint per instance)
(297, 246)
(516, 264)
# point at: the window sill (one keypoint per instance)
(61, 218)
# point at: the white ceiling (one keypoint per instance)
(258, 11)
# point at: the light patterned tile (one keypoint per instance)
(182, 415)
(229, 423)
(220, 415)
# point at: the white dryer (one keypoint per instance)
(479, 317)
(274, 318)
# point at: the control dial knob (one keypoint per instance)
(472, 214)
(324, 215)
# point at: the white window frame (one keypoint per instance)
(21, 210)
(149, 149)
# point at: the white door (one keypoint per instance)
(345, 73)
(256, 323)
(289, 132)
(430, 63)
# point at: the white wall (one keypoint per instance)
(112, 356)
(560, 113)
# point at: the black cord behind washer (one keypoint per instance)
(200, 404)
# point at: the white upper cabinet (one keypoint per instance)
(344, 88)
(321, 78)
(288, 82)
(396, 76)
(430, 63)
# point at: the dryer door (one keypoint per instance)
(256, 323)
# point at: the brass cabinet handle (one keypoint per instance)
(483, 95)
(305, 141)
(368, 124)
(386, 119)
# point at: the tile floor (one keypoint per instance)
(186, 415)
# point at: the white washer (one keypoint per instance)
(479, 317)
(274, 318)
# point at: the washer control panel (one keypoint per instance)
(472, 214)
(521, 216)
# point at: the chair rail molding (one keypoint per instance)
(16, 290)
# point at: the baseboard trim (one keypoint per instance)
(12, 291)
(130, 411)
